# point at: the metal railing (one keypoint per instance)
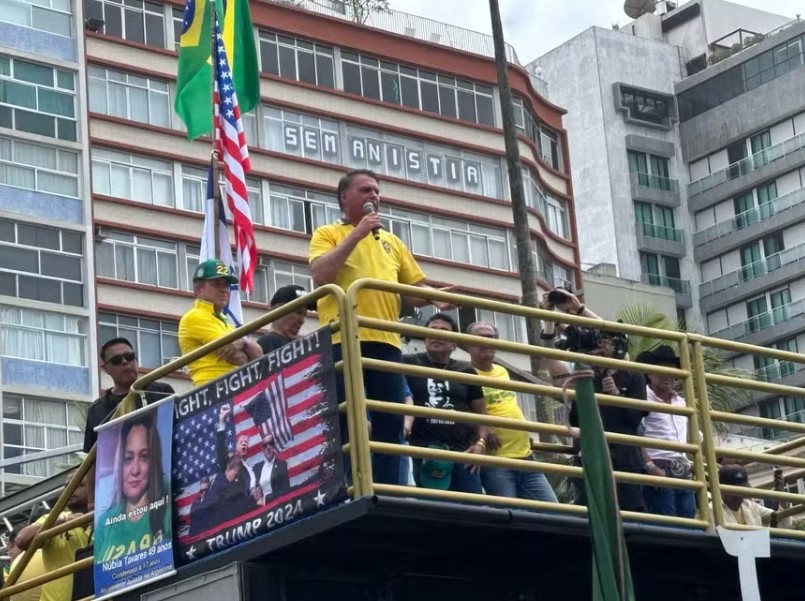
(756, 323)
(750, 271)
(661, 232)
(701, 447)
(414, 26)
(676, 284)
(746, 165)
(655, 182)
(747, 218)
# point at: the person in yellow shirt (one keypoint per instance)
(205, 322)
(59, 551)
(34, 569)
(514, 444)
(355, 247)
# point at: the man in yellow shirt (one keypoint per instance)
(514, 444)
(59, 551)
(34, 569)
(205, 322)
(357, 247)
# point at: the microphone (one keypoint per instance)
(369, 208)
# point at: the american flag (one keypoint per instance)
(233, 152)
(269, 411)
(194, 436)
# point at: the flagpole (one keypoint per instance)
(216, 188)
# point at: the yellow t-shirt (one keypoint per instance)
(385, 259)
(198, 326)
(35, 568)
(514, 444)
(58, 552)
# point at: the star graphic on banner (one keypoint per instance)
(319, 498)
(230, 113)
(191, 552)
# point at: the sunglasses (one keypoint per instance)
(118, 359)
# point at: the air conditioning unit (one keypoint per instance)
(101, 233)
(264, 262)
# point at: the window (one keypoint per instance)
(301, 135)
(758, 314)
(37, 99)
(740, 79)
(645, 106)
(123, 256)
(449, 239)
(745, 213)
(657, 221)
(53, 16)
(272, 274)
(132, 177)
(297, 59)
(759, 143)
(41, 263)
(194, 192)
(419, 161)
(660, 270)
(510, 327)
(788, 408)
(40, 168)
(299, 209)
(134, 20)
(154, 340)
(556, 216)
(43, 336)
(32, 425)
(651, 171)
(415, 88)
(787, 368)
(129, 96)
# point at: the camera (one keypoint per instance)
(556, 298)
(577, 339)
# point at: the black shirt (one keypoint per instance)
(101, 408)
(442, 394)
(272, 341)
(632, 385)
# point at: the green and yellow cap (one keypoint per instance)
(213, 269)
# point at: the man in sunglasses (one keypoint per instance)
(119, 361)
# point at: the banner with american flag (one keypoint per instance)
(257, 448)
(233, 152)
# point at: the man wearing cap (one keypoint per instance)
(286, 328)
(740, 510)
(205, 322)
(665, 426)
(356, 247)
(438, 432)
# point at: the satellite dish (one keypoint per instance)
(637, 8)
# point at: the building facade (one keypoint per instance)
(685, 136)
(124, 189)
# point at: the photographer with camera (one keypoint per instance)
(625, 458)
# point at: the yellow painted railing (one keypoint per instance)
(703, 447)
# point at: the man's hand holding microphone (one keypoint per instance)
(370, 222)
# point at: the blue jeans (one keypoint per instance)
(461, 478)
(516, 484)
(670, 501)
(381, 386)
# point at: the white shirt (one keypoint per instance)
(665, 426)
(265, 477)
(753, 514)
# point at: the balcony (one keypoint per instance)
(766, 327)
(735, 177)
(654, 188)
(680, 287)
(413, 26)
(786, 373)
(753, 279)
(754, 220)
(660, 239)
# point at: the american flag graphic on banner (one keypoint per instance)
(269, 411)
(221, 497)
(194, 438)
(233, 152)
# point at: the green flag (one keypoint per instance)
(612, 578)
(242, 53)
(194, 80)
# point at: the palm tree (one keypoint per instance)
(722, 398)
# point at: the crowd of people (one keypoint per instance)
(355, 247)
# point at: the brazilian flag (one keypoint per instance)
(194, 81)
(612, 578)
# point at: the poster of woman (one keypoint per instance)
(133, 500)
